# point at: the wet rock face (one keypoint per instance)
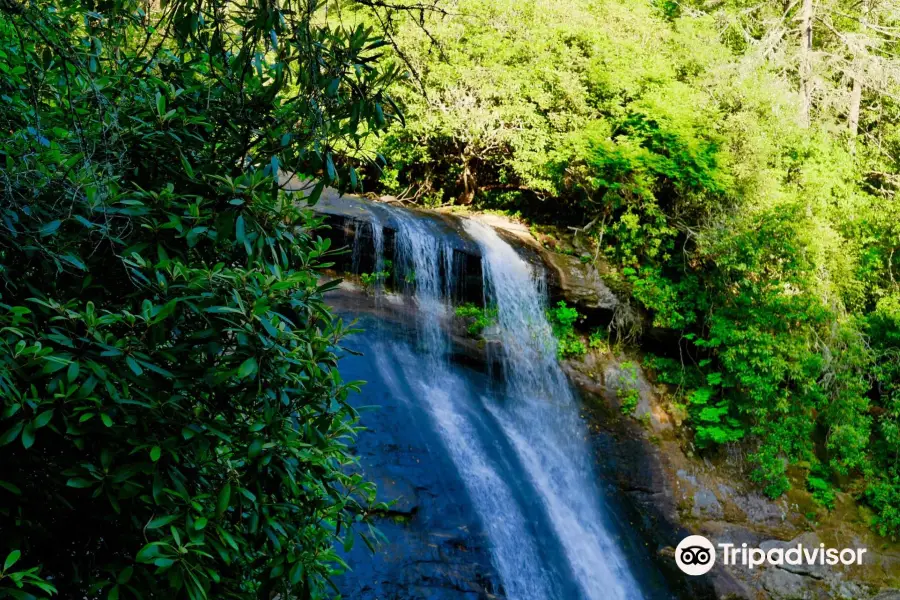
(580, 283)
(349, 220)
(432, 546)
(675, 492)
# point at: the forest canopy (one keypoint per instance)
(736, 164)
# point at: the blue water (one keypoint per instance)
(405, 450)
(495, 480)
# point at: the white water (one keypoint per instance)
(418, 251)
(536, 415)
(377, 231)
(542, 423)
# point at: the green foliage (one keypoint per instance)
(562, 319)
(563, 316)
(674, 373)
(370, 279)
(883, 494)
(822, 491)
(629, 398)
(571, 346)
(478, 318)
(23, 584)
(712, 421)
(627, 392)
(173, 421)
(765, 246)
(883, 491)
(599, 340)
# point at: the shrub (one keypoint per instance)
(883, 494)
(16, 583)
(599, 340)
(562, 319)
(629, 398)
(627, 392)
(172, 421)
(370, 279)
(822, 492)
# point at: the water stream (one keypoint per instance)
(515, 443)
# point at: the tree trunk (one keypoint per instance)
(806, 38)
(855, 100)
(467, 181)
(856, 92)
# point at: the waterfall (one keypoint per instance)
(542, 423)
(418, 252)
(520, 450)
(357, 250)
(378, 244)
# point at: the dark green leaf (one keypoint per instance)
(43, 418)
(161, 521)
(11, 559)
(77, 482)
(11, 434)
(125, 575)
(224, 499)
(49, 228)
(134, 366)
(28, 434)
(248, 368)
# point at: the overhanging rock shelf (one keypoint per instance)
(352, 223)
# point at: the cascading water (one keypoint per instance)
(376, 230)
(542, 423)
(520, 451)
(420, 255)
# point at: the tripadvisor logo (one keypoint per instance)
(696, 555)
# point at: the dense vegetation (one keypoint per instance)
(734, 161)
(172, 421)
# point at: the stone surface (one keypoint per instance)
(808, 540)
(849, 590)
(581, 283)
(685, 476)
(759, 509)
(706, 505)
(784, 585)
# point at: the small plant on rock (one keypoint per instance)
(562, 319)
(479, 318)
(822, 490)
(599, 340)
(370, 279)
(628, 393)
